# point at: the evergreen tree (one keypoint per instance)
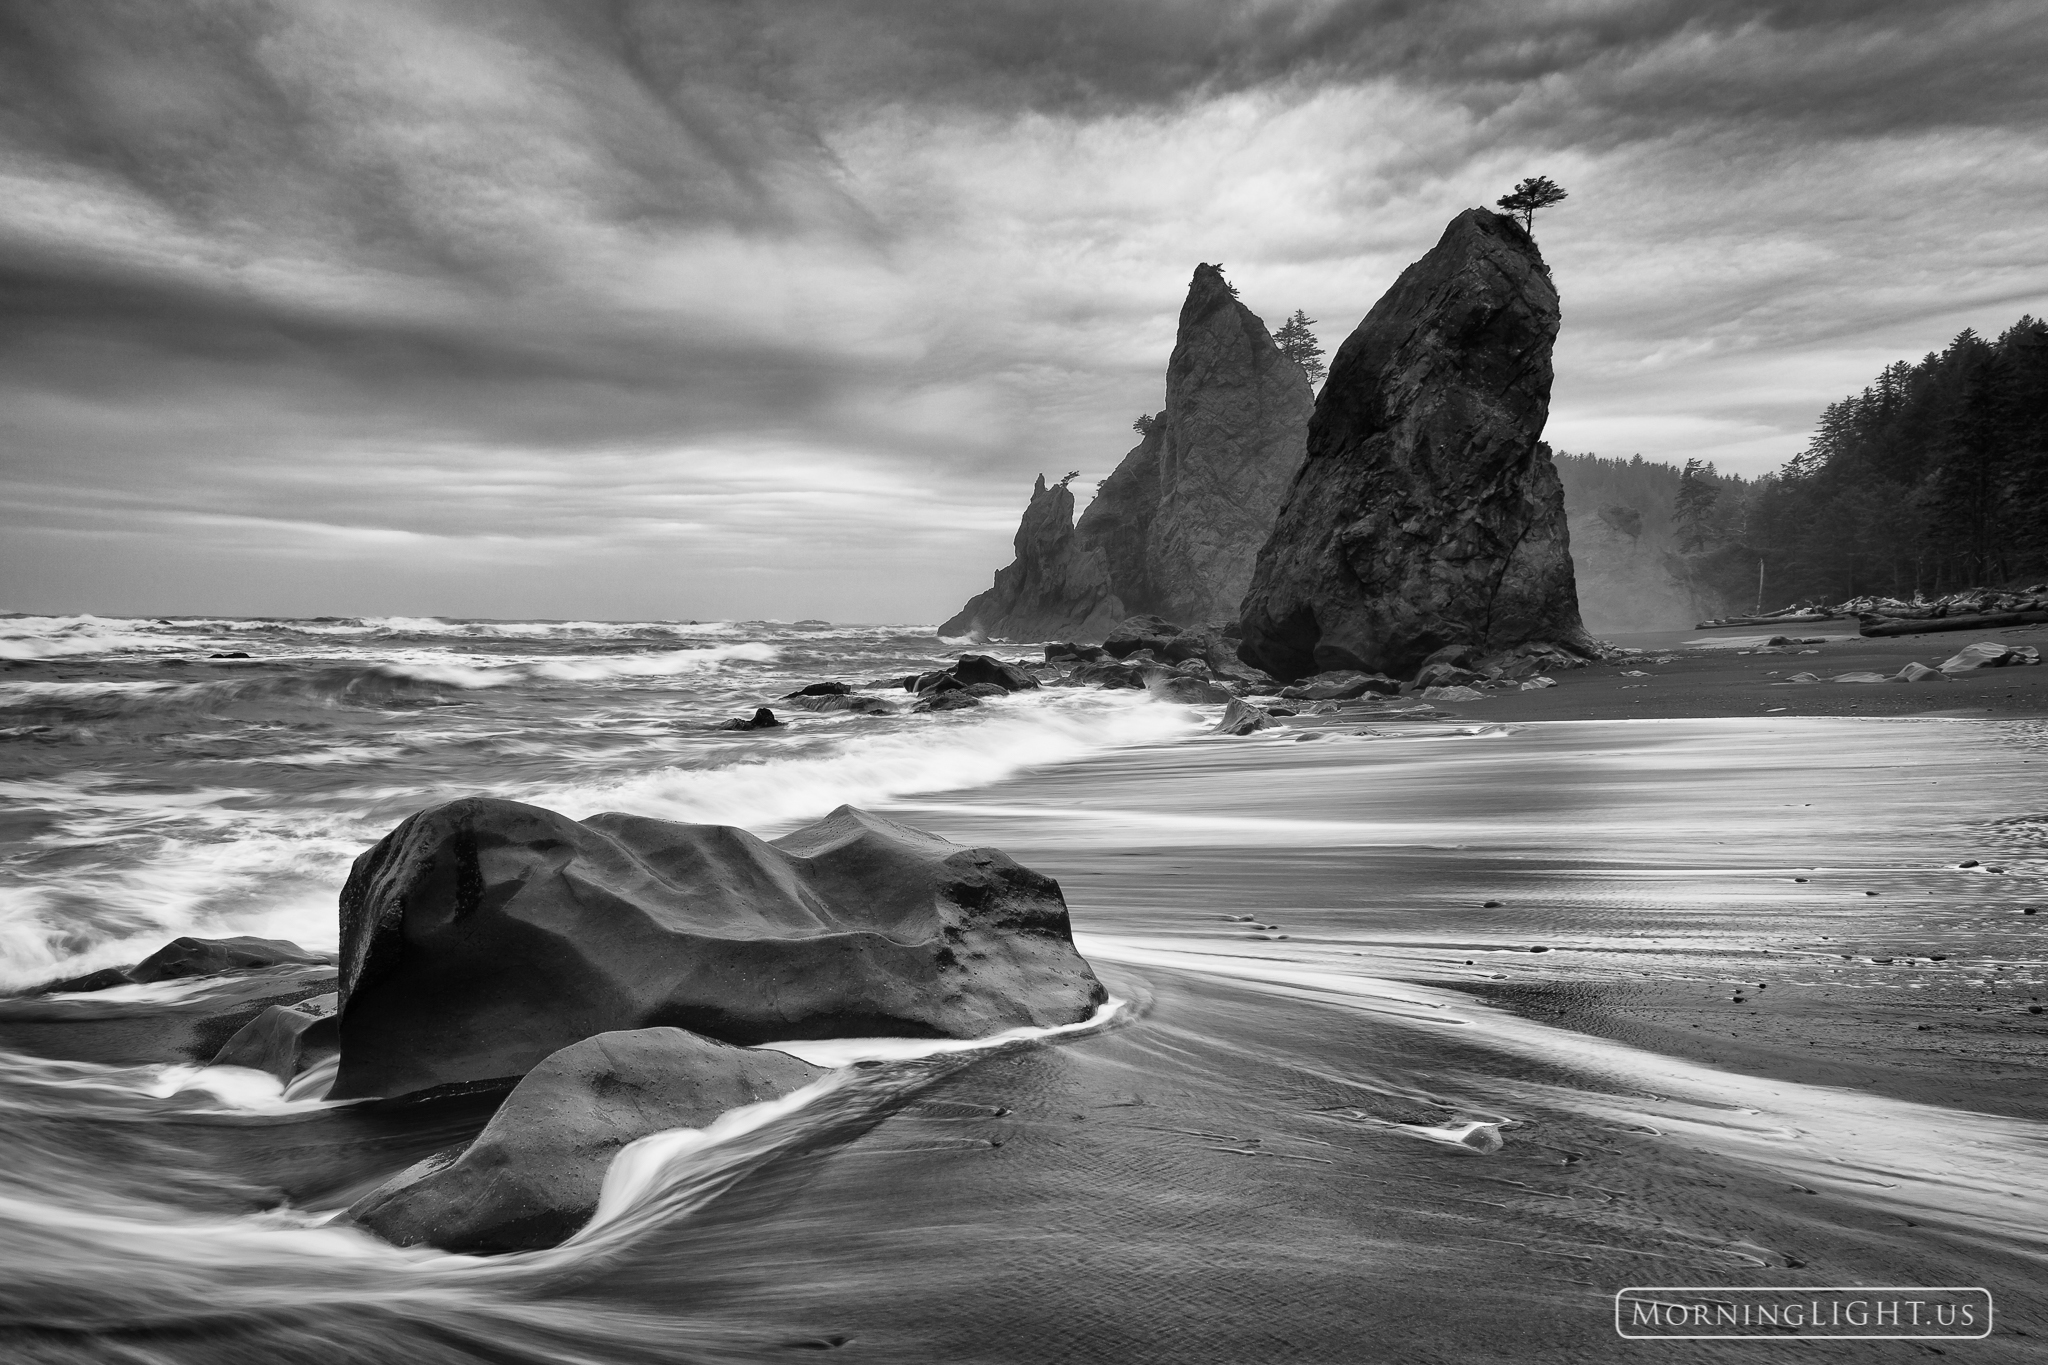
(1693, 509)
(1537, 192)
(1298, 344)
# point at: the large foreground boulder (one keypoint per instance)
(1427, 513)
(533, 1176)
(482, 935)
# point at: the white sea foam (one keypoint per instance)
(950, 752)
(644, 1168)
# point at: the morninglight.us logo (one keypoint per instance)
(1865, 1312)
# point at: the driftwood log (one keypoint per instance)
(1885, 625)
(1728, 621)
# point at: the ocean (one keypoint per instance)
(1426, 1037)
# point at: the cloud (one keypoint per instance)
(796, 298)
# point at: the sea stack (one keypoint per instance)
(1175, 529)
(1428, 512)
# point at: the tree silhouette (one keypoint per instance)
(1298, 344)
(1537, 192)
(1694, 506)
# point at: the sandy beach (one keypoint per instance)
(1716, 1043)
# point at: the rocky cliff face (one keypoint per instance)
(1055, 586)
(1174, 531)
(1427, 514)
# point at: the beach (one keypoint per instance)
(1431, 1034)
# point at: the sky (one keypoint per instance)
(775, 308)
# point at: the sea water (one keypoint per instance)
(1343, 1108)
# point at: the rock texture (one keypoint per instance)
(482, 935)
(533, 1176)
(1174, 530)
(1427, 512)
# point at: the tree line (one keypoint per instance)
(1932, 479)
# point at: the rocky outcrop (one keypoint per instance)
(1427, 513)
(189, 957)
(533, 1175)
(482, 935)
(1174, 530)
(285, 1040)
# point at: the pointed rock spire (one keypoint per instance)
(1428, 513)
(1174, 530)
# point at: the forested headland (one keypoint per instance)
(1932, 479)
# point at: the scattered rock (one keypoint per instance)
(762, 719)
(867, 706)
(1085, 653)
(980, 668)
(481, 935)
(229, 654)
(1242, 718)
(820, 689)
(1451, 694)
(1186, 691)
(533, 1176)
(285, 1040)
(1110, 675)
(188, 957)
(957, 700)
(1341, 685)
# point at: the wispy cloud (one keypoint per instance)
(695, 308)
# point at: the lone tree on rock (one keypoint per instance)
(1537, 192)
(1298, 344)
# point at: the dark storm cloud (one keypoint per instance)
(911, 246)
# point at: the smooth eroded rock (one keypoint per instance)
(533, 1175)
(481, 935)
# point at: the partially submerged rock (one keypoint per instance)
(286, 1040)
(831, 703)
(1187, 691)
(189, 957)
(958, 700)
(980, 668)
(1428, 513)
(481, 935)
(533, 1176)
(189, 1026)
(762, 719)
(1242, 718)
(820, 689)
(1341, 685)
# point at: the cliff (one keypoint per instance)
(1427, 512)
(1174, 531)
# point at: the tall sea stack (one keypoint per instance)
(1174, 531)
(1427, 513)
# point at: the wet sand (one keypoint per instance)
(1440, 1032)
(1706, 1071)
